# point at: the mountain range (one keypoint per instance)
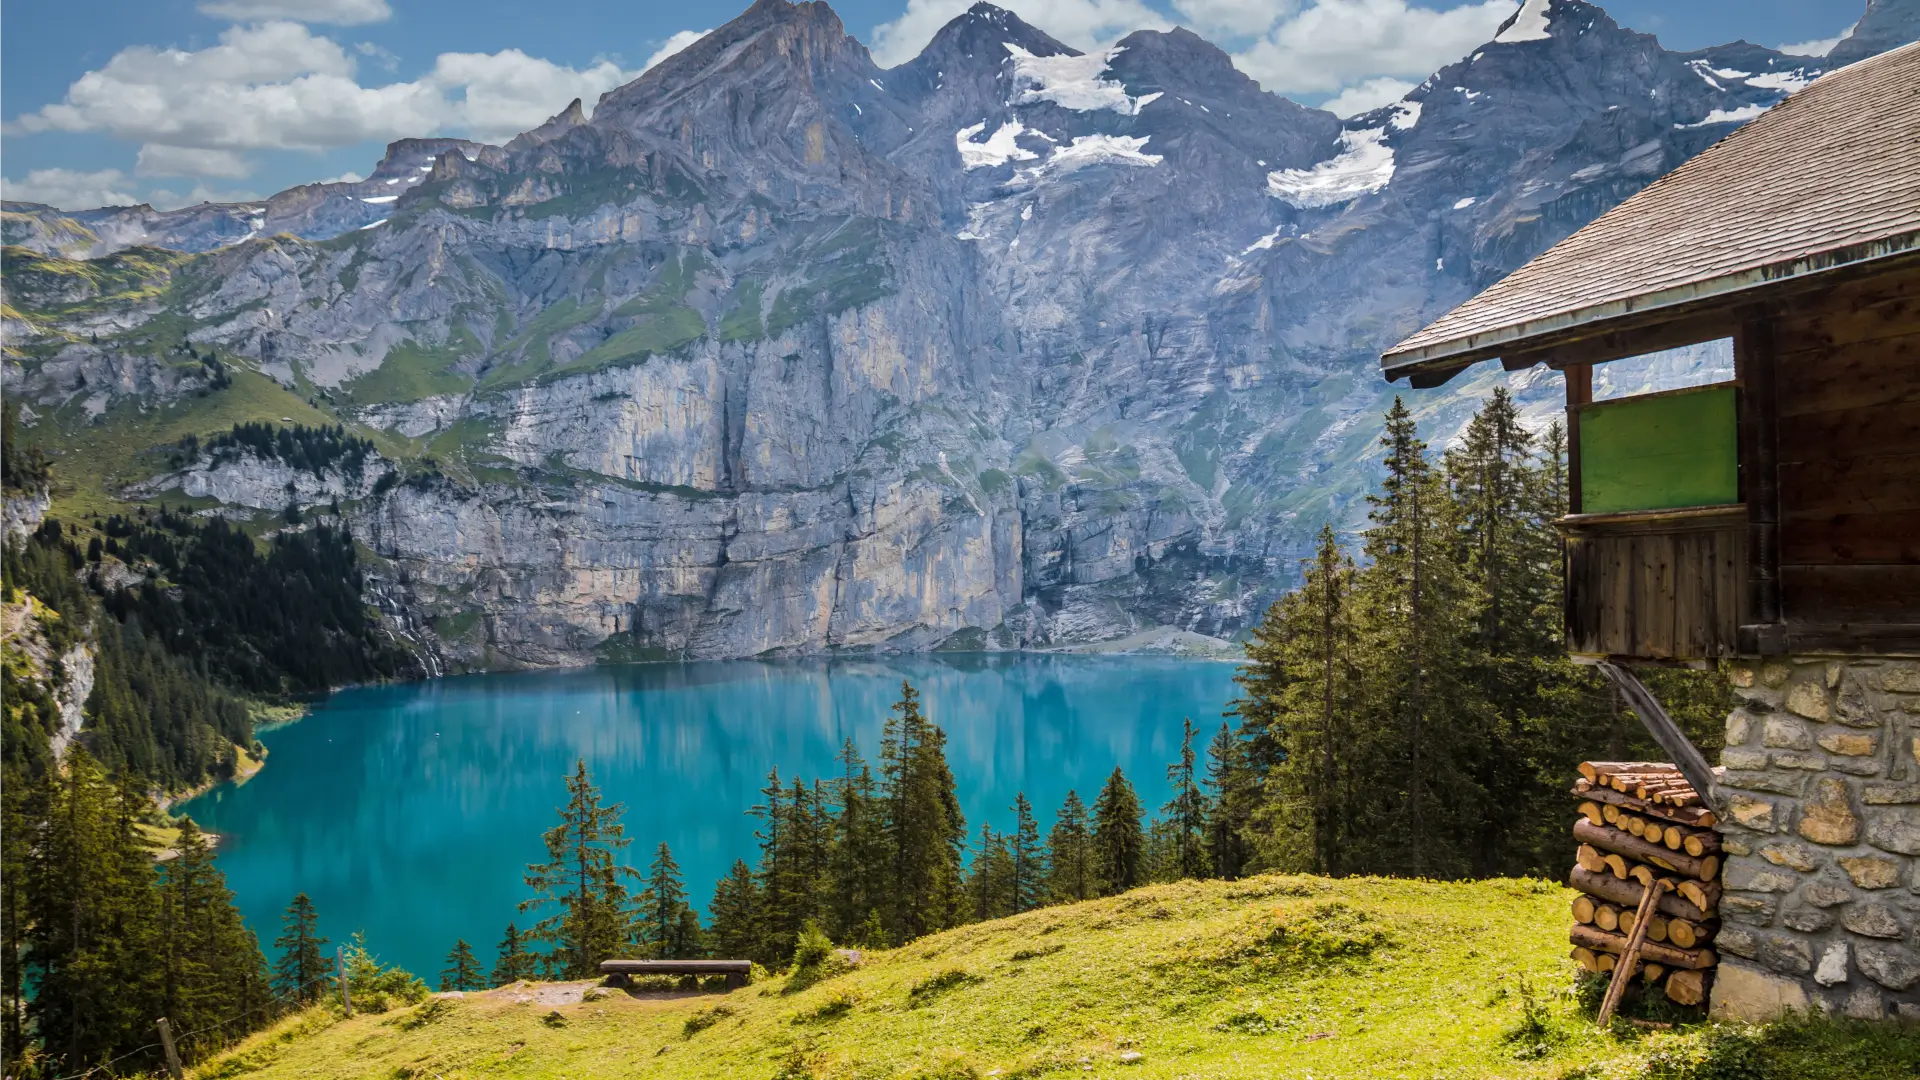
(779, 352)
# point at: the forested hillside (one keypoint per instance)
(138, 650)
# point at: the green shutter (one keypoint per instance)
(1660, 451)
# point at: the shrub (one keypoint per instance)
(376, 988)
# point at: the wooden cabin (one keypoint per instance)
(1778, 513)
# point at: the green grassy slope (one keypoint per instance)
(1274, 977)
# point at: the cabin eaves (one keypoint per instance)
(1828, 179)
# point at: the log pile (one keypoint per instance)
(1640, 824)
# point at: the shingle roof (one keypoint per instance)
(1829, 177)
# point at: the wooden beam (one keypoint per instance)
(1754, 368)
(1632, 341)
(1686, 757)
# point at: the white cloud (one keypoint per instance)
(1235, 17)
(505, 93)
(673, 45)
(1367, 96)
(339, 12)
(1336, 44)
(70, 189)
(278, 86)
(348, 177)
(1816, 47)
(158, 160)
(1083, 24)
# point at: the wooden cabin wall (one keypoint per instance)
(1847, 375)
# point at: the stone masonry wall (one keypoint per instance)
(1821, 908)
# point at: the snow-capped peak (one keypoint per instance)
(1528, 24)
(1071, 82)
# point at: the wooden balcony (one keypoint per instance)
(1659, 585)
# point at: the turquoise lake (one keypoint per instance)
(410, 811)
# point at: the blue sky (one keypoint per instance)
(175, 101)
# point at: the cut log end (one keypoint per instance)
(1687, 987)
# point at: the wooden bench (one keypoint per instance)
(619, 972)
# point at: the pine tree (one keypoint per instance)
(514, 962)
(1235, 793)
(1027, 869)
(1118, 841)
(462, 971)
(735, 915)
(1186, 813)
(582, 879)
(301, 971)
(926, 833)
(1071, 869)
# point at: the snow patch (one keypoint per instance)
(1790, 81)
(1466, 202)
(1729, 116)
(998, 149)
(1026, 212)
(375, 225)
(1071, 82)
(380, 199)
(1405, 115)
(877, 86)
(1088, 150)
(1363, 167)
(1265, 243)
(393, 181)
(1529, 24)
(1587, 173)
(1471, 94)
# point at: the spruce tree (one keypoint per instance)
(735, 915)
(19, 822)
(926, 833)
(514, 962)
(859, 864)
(1186, 811)
(990, 878)
(583, 880)
(1027, 867)
(1071, 870)
(213, 976)
(1234, 795)
(663, 907)
(1119, 844)
(93, 935)
(1413, 606)
(301, 971)
(462, 971)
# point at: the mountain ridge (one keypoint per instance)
(780, 352)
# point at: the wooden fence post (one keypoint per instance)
(166, 1046)
(340, 964)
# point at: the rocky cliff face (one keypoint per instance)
(780, 352)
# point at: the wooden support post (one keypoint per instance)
(167, 1047)
(1630, 956)
(1579, 392)
(1686, 757)
(1753, 361)
(340, 965)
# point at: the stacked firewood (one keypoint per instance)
(1642, 826)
